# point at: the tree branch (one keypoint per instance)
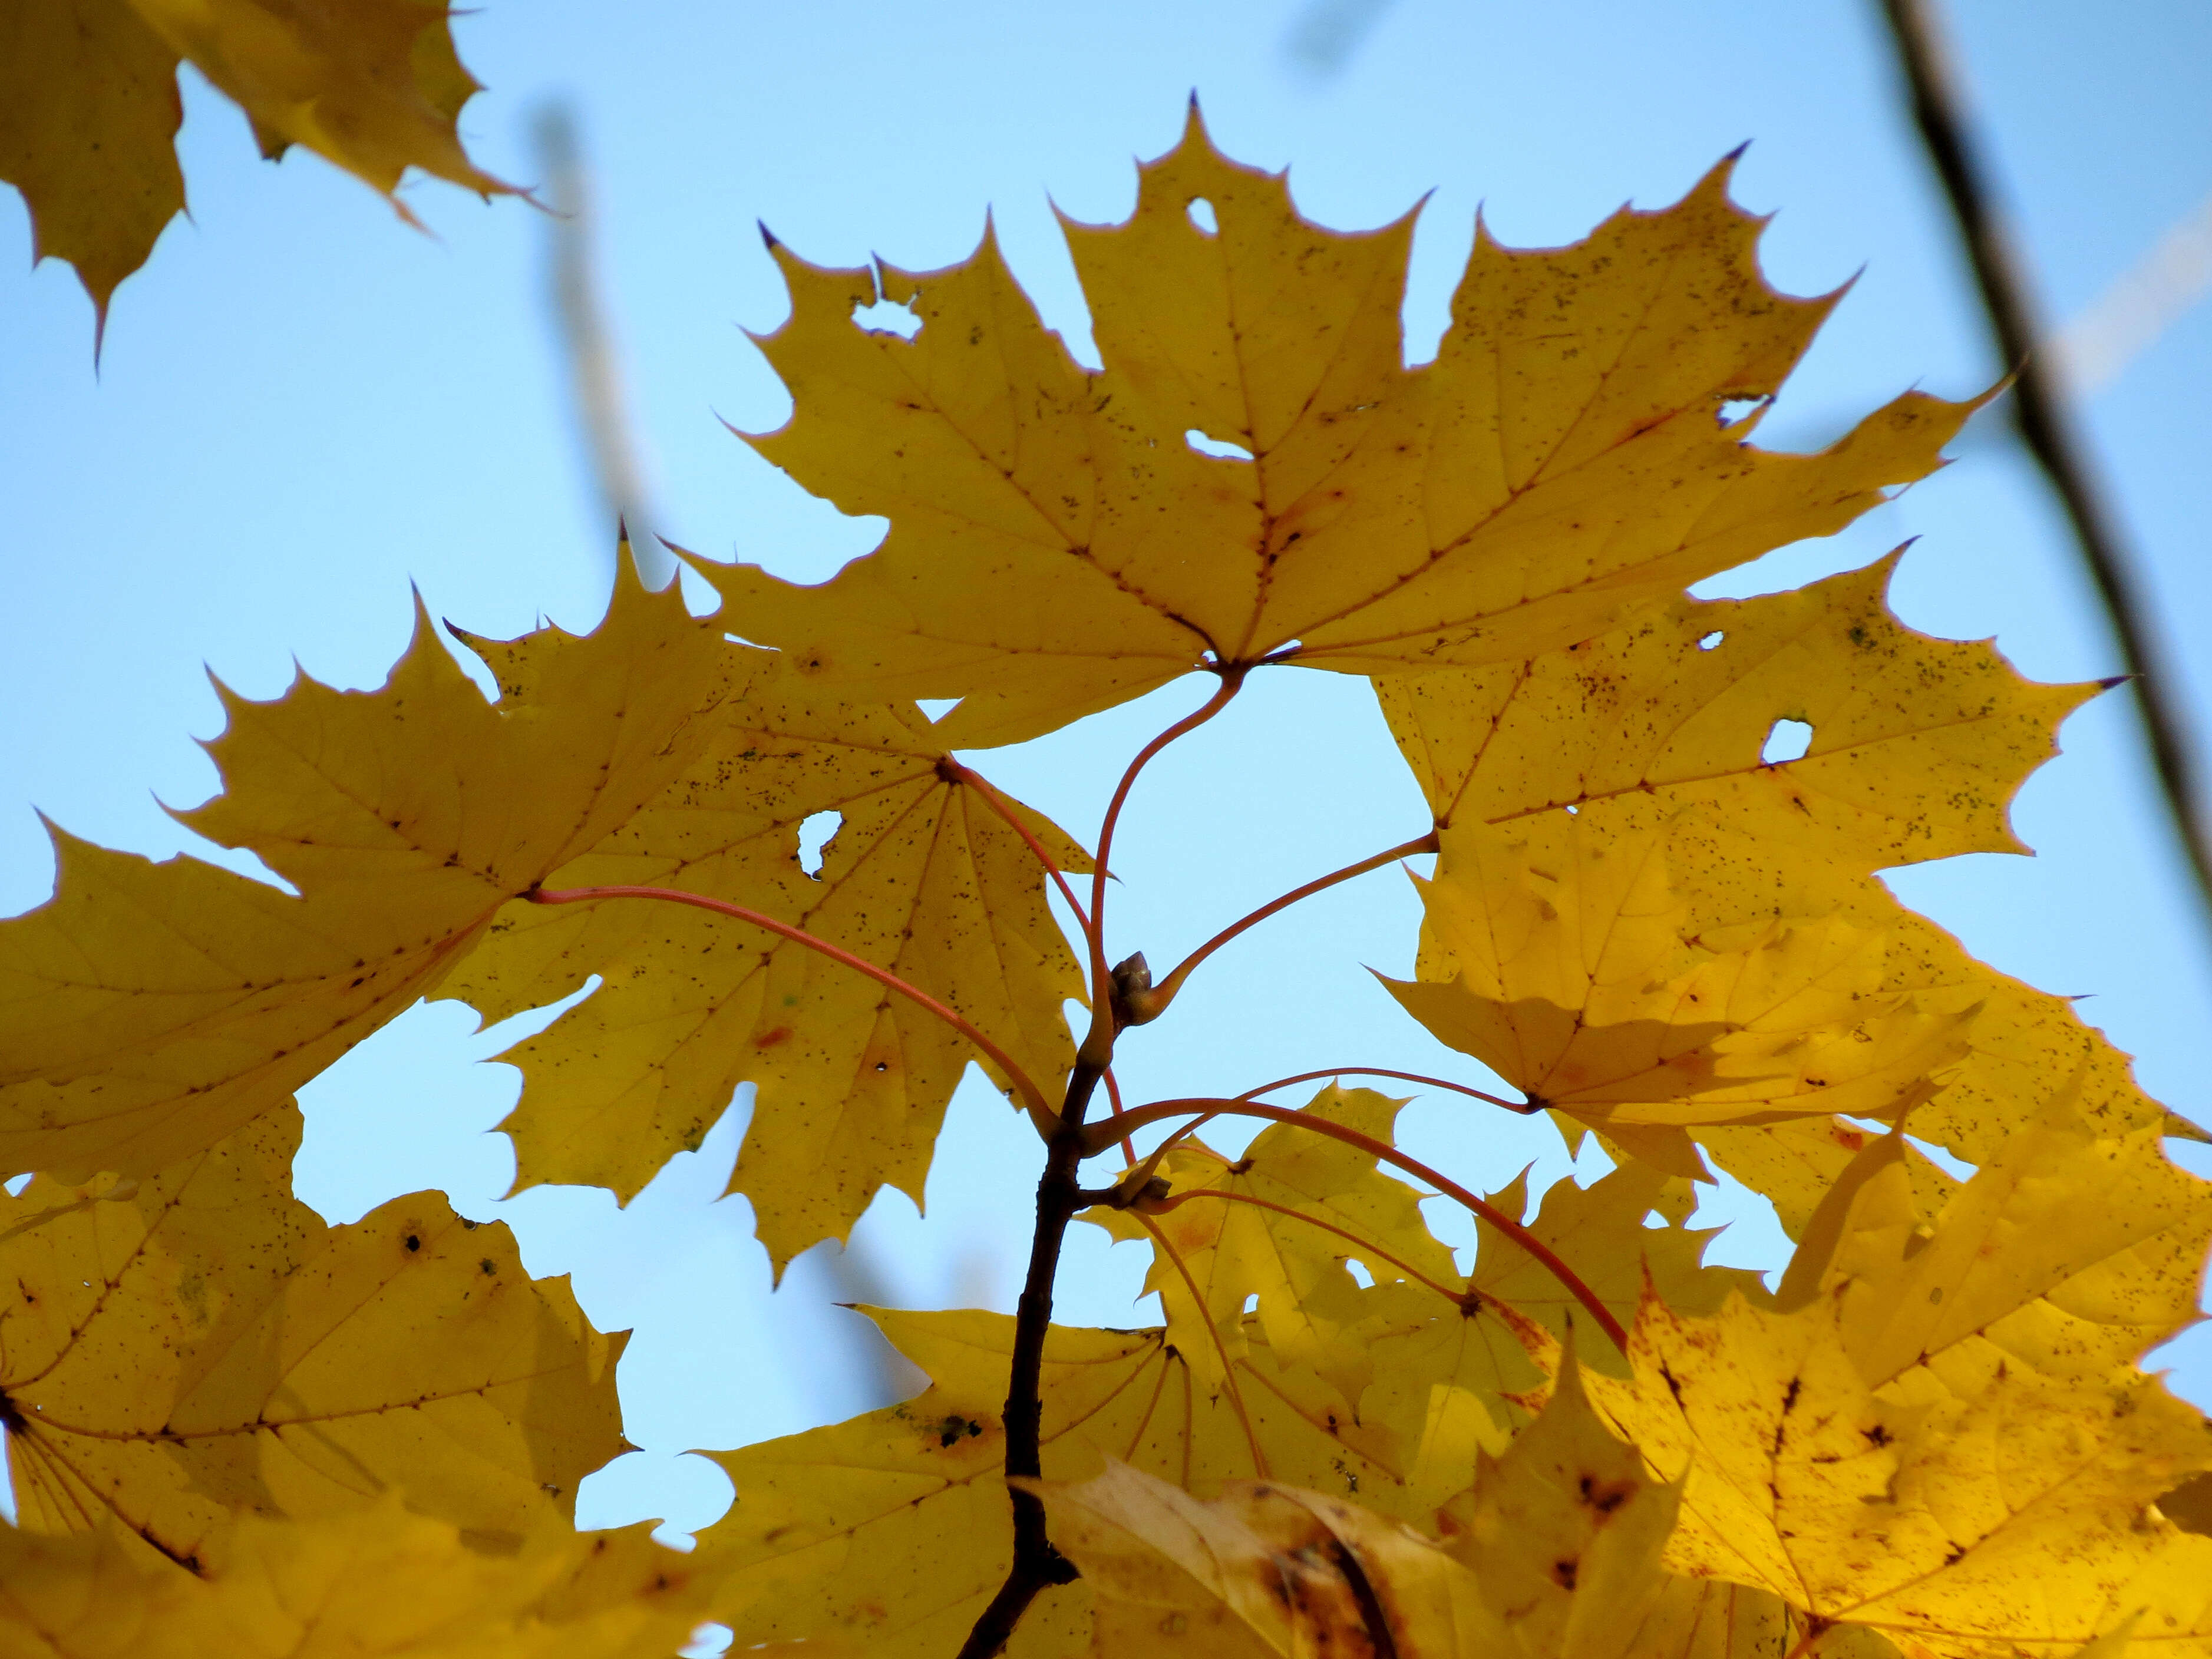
(1036, 1565)
(2039, 411)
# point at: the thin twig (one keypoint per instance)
(1383, 1152)
(1164, 993)
(2038, 408)
(1039, 1111)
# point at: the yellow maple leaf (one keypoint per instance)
(196, 1344)
(2019, 1039)
(378, 1583)
(1258, 1572)
(1920, 1510)
(89, 111)
(923, 876)
(1059, 541)
(1564, 1531)
(148, 1010)
(1298, 1208)
(1600, 1232)
(2072, 1251)
(1577, 975)
(1917, 746)
(892, 1529)
(1446, 1381)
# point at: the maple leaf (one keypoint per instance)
(196, 1344)
(377, 1584)
(1448, 1380)
(2072, 1251)
(1579, 978)
(1564, 1531)
(1736, 884)
(892, 1529)
(923, 876)
(1294, 1209)
(1058, 544)
(1919, 1509)
(1917, 746)
(148, 1010)
(89, 111)
(1260, 1572)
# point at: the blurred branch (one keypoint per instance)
(2038, 410)
(1329, 34)
(2127, 318)
(580, 320)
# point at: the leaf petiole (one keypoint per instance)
(1039, 1112)
(1366, 1247)
(1155, 1001)
(1099, 1044)
(1385, 1153)
(1228, 1367)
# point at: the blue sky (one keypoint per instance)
(304, 407)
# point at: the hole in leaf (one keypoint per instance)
(888, 317)
(1711, 640)
(1201, 215)
(815, 834)
(1573, 810)
(936, 708)
(1787, 740)
(1221, 448)
(1733, 410)
(15, 1184)
(1360, 1276)
(1252, 1303)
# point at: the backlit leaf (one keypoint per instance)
(148, 1010)
(378, 1583)
(921, 877)
(196, 1344)
(1256, 474)
(892, 1529)
(88, 106)
(1260, 1570)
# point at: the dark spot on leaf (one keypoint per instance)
(413, 1242)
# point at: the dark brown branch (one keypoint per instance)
(1038, 1565)
(2039, 410)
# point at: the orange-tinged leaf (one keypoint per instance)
(1576, 974)
(1061, 541)
(88, 106)
(194, 1345)
(1917, 746)
(892, 1529)
(378, 1583)
(1923, 1510)
(922, 877)
(1260, 1572)
(148, 1010)
(1337, 1201)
